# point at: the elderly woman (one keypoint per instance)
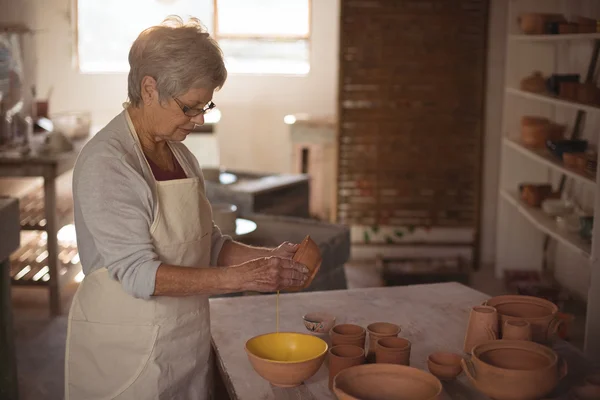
(139, 324)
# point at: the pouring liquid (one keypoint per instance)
(277, 311)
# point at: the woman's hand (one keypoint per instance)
(269, 274)
(285, 250)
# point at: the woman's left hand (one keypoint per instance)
(285, 250)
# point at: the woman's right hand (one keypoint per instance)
(269, 274)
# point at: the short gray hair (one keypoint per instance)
(178, 56)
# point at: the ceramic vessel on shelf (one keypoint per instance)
(541, 314)
(224, 216)
(309, 254)
(318, 322)
(444, 365)
(378, 330)
(386, 382)
(286, 359)
(557, 207)
(514, 369)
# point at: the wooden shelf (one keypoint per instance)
(33, 216)
(549, 99)
(543, 156)
(548, 225)
(555, 38)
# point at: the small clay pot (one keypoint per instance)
(393, 350)
(309, 254)
(516, 330)
(377, 331)
(445, 366)
(342, 357)
(348, 334)
(482, 327)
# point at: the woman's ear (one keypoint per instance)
(149, 92)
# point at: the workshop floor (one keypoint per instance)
(40, 340)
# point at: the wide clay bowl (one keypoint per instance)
(445, 366)
(286, 359)
(386, 382)
(309, 254)
(541, 314)
(514, 369)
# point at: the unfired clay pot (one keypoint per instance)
(377, 331)
(514, 369)
(541, 314)
(348, 334)
(516, 330)
(445, 366)
(309, 254)
(342, 357)
(482, 327)
(393, 350)
(386, 382)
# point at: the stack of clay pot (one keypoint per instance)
(514, 369)
(379, 330)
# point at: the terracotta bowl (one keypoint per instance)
(286, 359)
(445, 366)
(541, 314)
(318, 322)
(309, 254)
(386, 382)
(514, 369)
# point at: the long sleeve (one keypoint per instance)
(113, 211)
(217, 242)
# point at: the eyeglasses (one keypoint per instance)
(192, 112)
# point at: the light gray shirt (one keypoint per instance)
(114, 206)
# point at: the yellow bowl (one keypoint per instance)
(286, 359)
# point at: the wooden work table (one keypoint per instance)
(433, 317)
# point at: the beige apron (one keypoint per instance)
(121, 347)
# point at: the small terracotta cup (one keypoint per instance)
(344, 356)
(481, 327)
(443, 365)
(377, 331)
(348, 334)
(516, 330)
(393, 350)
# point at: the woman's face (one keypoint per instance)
(168, 120)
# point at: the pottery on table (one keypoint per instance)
(309, 254)
(444, 365)
(516, 330)
(482, 327)
(348, 334)
(378, 330)
(541, 314)
(342, 357)
(393, 350)
(286, 359)
(386, 382)
(318, 322)
(514, 369)
(224, 216)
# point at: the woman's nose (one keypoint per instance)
(198, 119)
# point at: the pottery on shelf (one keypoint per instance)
(393, 350)
(342, 357)
(516, 330)
(318, 322)
(224, 216)
(386, 382)
(286, 359)
(482, 327)
(541, 314)
(348, 334)
(444, 365)
(309, 254)
(514, 369)
(378, 330)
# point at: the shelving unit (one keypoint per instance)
(523, 232)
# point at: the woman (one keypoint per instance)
(139, 324)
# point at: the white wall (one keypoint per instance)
(253, 107)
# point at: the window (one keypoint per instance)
(256, 36)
